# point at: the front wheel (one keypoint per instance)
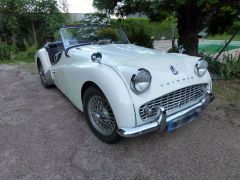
(100, 116)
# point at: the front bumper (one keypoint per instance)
(168, 122)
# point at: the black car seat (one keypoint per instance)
(53, 48)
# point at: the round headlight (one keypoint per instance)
(201, 68)
(140, 82)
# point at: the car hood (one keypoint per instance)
(121, 56)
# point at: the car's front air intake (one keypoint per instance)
(173, 101)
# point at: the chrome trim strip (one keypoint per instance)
(161, 123)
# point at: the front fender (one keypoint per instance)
(111, 85)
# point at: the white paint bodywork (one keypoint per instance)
(112, 76)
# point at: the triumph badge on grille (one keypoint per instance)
(174, 71)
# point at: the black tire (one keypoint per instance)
(42, 76)
(93, 92)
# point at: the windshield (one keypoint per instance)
(86, 35)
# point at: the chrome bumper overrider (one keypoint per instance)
(168, 123)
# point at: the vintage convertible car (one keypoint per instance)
(123, 89)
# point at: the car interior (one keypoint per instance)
(55, 50)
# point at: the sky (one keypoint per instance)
(80, 6)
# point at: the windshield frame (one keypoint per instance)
(67, 48)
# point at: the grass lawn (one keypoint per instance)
(214, 48)
(227, 92)
(20, 60)
(224, 37)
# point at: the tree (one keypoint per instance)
(63, 5)
(105, 6)
(192, 15)
(9, 20)
(30, 19)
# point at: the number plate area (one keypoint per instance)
(177, 123)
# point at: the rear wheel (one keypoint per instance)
(43, 76)
(100, 116)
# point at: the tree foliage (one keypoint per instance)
(192, 15)
(96, 18)
(105, 6)
(29, 20)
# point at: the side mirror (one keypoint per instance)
(181, 49)
(96, 57)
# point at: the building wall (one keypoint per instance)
(75, 17)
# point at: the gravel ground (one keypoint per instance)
(43, 136)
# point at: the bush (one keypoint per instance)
(138, 35)
(141, 31)
(228, 69)
(166, 28)
(31, 51)
(136, 32)
(26, 56)
(109, 33)
(7, 52)
(213, 66)
(10, 52)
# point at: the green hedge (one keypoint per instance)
(7, 51)
(142, 31)
(137, 32)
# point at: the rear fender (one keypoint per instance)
(42, 56)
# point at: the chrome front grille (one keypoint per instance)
(173, 101)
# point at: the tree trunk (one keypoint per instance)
(13, 39)
(188, 29)
(6, 38)
(34, 34)
(25, 43)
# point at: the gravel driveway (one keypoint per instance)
(43, 136)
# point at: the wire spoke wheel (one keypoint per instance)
(101, 115)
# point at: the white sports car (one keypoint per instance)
(123, 89)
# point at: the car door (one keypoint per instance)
(75, 77)
(59, 71)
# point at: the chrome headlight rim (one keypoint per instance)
(135, 81)
(201, 67)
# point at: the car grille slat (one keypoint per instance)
(175, 100)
